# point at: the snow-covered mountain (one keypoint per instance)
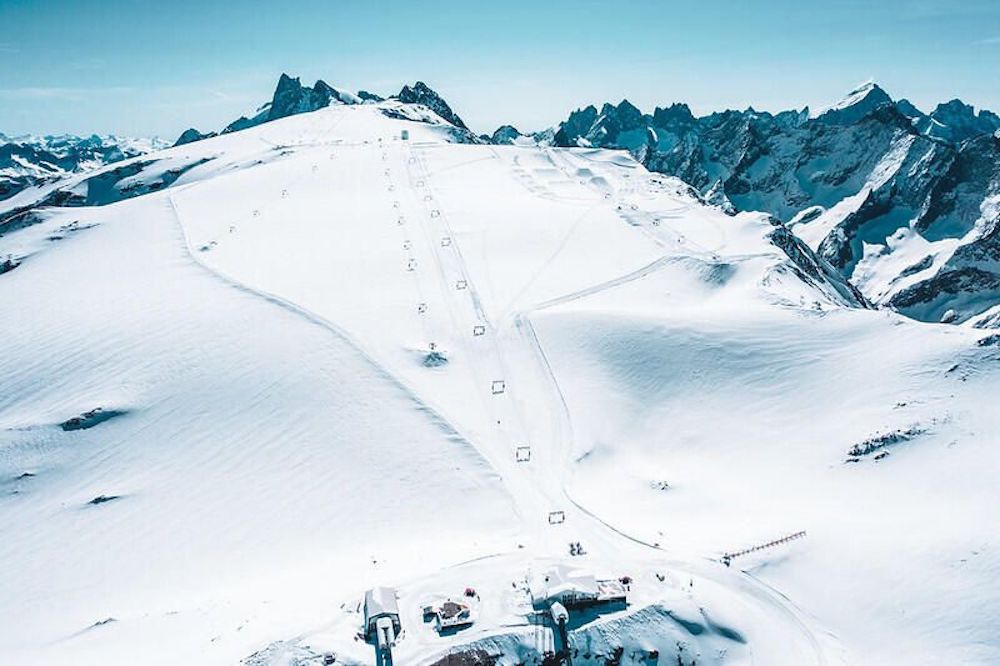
(291, 98)
(32, 160)
(248, 377)
(904, 204)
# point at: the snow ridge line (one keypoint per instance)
(435, 414)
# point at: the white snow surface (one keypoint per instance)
(330, 347)
(856, 97)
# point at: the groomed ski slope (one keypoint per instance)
(329, 345)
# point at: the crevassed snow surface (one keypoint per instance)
(320, 352)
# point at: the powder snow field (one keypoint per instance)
(329, 348)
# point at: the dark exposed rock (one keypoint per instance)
(90, 419)
(921, 265)
(369, 96)
(470, 657)
(7, 264)
(31, 161)
(989, 341)
(420, 93)
(880, 152)
(813, 268)
(291, 98)
(881, 441)
(103, 499)
(434, 359)
(505, 134)
(191, 135)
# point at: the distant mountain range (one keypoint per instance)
(905, 204)
(32, 160)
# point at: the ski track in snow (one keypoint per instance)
(764, 595)
(348, 202)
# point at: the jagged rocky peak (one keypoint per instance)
(31, 160)
(957, 121)
(792, 118)
(370, 96)
(626, 112)
(954, 111)
(191, 135)
(857, 104)
(902, 203)
(953, 121)
(675, 115)
(907, 108)
(576, 126)
(421, 93)
(505, 135)
(291, 97)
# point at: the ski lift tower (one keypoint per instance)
(382, 624)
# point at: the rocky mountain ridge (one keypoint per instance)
(905, 204)
(33, 160)
(292, 98)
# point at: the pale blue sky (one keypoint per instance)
(140, 67)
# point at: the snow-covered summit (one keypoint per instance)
(292, 98)
(858, 103)
(421, 93)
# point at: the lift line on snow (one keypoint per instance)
(727, 558)
(557, 517)
(522, 454)
(498, 387)
(478, 330)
